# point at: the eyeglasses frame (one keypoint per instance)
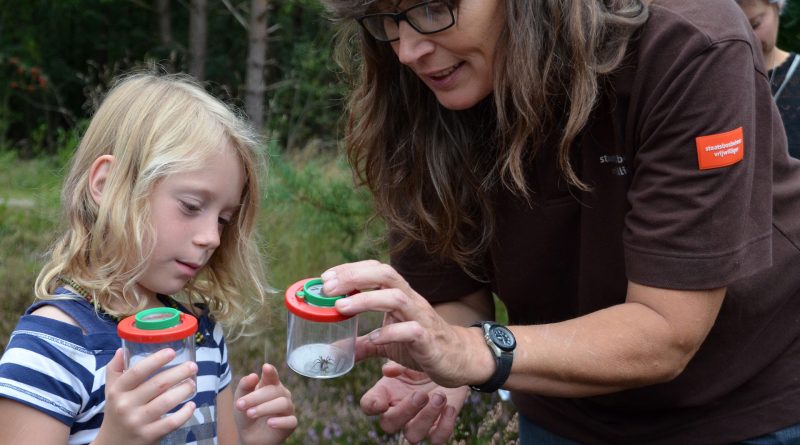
(402, 16)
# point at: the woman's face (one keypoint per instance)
(457, 63)
(764, 20)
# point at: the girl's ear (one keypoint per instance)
(98, 173)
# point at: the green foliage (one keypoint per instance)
(314, 218)
(789, 33)
(77, 47)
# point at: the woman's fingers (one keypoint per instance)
(402, 305)
(368, 274)
(397, 416)
(419, 427)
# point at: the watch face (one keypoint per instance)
(503, 338)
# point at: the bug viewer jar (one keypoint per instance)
(321, 342)
(152, 330)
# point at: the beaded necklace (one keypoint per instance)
(169, 301)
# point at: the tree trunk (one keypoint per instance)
(255, 77)
(198, 38)
(165, 32)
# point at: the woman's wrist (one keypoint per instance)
(480, 364)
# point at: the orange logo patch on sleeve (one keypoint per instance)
(720, 150)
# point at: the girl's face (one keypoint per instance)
(457, 64)
(764, 20)
(189, 213)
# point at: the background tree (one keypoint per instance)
(198, 38)
(255, 77)
(164, 12)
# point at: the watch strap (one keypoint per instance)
(502, 366)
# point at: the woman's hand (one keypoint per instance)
(264, 411)
(408, 400)
(137, 400)
(413, 334)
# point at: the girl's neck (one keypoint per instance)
(117, 305)
(776, 58)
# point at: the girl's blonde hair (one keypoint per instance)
(154, 126)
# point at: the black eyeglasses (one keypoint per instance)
(426, 18)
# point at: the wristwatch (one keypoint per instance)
(502, 343)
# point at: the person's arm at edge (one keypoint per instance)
(20, 423)
(226, 425)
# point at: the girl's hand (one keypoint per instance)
(413, 334)
(136, 402)
(264, 411)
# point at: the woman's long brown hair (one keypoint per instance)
(432, 171)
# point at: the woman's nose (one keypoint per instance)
(412, 45)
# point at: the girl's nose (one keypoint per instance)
(208, 235)
(412, 45)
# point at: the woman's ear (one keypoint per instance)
(98, 173)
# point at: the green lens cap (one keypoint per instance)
(158, 318)
(312, 293)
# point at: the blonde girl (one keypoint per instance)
(160, 200)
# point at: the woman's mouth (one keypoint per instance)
(439, 76)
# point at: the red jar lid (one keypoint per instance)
(128, 330)
(298, 304)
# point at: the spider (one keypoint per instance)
(322, 363)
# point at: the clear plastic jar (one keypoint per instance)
(321, 342)
(152, 330)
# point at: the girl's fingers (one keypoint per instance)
(269, 375)
(172, 422)
(143, 369)
(283, 422)
(252, 392)
(165, 380)
(170, 398)
(280, 406)
(115, 368)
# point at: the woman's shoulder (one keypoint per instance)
(702, 22)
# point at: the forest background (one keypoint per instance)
(270, 58)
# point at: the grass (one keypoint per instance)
(311, 219)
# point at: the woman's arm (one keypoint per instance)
(20, 423)
(646, 340)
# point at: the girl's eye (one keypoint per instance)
(223, 221)
(189, 207)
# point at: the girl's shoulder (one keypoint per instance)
(70, 309)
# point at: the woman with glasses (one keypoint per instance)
(615, 172)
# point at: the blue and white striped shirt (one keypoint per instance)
(60, 369)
